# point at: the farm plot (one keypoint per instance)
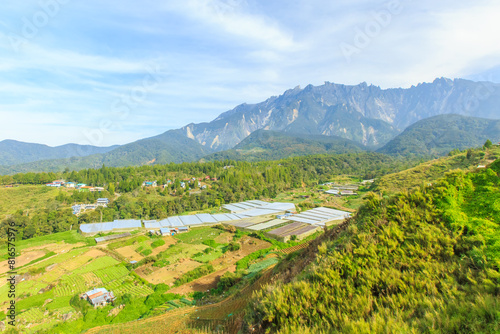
(22, 260)
(53, 274)
(168, 241)
(59, 303)
(77, 262)
(248, 246)
(181, 251)
(109, 274)
(198, 235)
(129, 253)
(213, 255)
(61, 258)
(31, 286)
(99, 263)
(170, 273)
(59, 247)
(91, 279)
(33, 315)
(134, 241)
(70, 285)
(224, 238)
(133, 289)
(259, 266)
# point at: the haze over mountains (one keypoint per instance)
(331, 118)
(15, 152)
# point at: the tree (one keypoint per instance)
(469, 154)
(233, 246)
(488, 144)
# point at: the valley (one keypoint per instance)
(208, 276)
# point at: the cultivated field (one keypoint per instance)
(55, 270)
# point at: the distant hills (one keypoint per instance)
(441, 134)
(296, 123)
(170, 146)
(15, 152)
(273, 145)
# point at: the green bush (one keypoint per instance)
(157, 243)
(146, 252)
(194, 274)
(233, 246)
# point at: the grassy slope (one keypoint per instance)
(440, 134)
(425, 261)
(25, 198)
(430, 171)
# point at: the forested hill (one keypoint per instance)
(15, 152)
(420, 261)
(272, 145)
(171, 146)
(441, 134)
(258, 180)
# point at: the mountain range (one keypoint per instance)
(331, 118)
(15, 152)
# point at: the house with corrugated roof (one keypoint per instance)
(99, 297)
(102, 202)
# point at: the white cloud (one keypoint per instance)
(233, 18)
(216, 54)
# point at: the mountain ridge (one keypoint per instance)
(365, 114)
(16, 152)
(441, 134)
(312, 110)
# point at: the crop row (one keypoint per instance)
(256, 267)
(70, 285)
(134, 290)
(114, 285)
(91, 279)
(32, 316)
(99, 263)
(111, 273)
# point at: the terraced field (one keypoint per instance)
(133, 289)
(109, 274)
(70, 285)
(95, 265)
(31, 316)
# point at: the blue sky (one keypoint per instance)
(111, 72)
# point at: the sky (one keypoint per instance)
(111, 72)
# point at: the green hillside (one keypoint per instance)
(171, 146)
(15, 152)
(441, 134)
(425, 261)
(273, 145)
(430, 171)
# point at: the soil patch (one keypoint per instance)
(224, 238)
(22, 260)
(94, 252)
(168, 241)
(129, 253)
(167, 274)
(202, 284)
(248, 246)
(60, 247)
